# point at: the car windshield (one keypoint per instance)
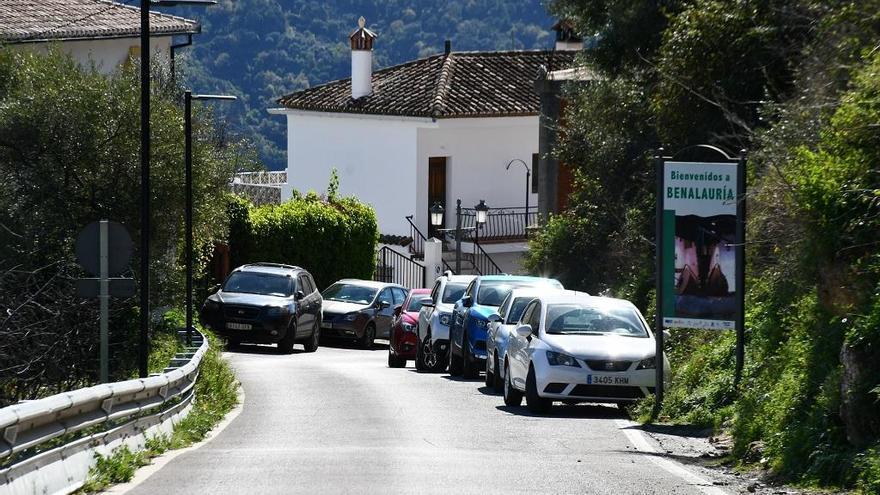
(453, 292)
(493, 292)
(349, 293)
(259, 283)
(415, 303)
(594, 319)
(516, 309)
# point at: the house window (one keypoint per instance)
(535, 170)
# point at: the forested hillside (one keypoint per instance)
(263, 49)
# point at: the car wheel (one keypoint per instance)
(369, 336)
(395, 361)
(496, 377)
(311, 345)
(420, 357)
(468, 367)
(454, 362)
(535, 402)
(512, 396)
(285, 345)
(490, 376)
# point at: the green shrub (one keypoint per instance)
(331, 239)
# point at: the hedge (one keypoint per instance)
(332, 239)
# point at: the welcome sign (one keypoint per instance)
(699, 261)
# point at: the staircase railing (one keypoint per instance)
(393, 267)
(418, 244)
(483, 263)
(502, 224)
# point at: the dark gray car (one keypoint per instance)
(266, 303)
(361, 310)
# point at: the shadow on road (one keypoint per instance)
(582, 411)
(675, 430)
(461, 378)
(260, 349)
(379, 345)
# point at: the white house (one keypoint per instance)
(91, 31)
(436, 129)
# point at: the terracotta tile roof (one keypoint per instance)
(461, 84)
(41, 20)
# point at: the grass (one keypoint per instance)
(216, 395)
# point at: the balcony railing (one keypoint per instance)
(502, 224)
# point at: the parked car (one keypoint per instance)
(500, 325)
(266, 303)
(579, 348)
(361, 310)
(470, 318)
(434, 320)
(404, 330)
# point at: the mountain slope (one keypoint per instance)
(260, 50)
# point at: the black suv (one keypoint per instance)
(266, 303)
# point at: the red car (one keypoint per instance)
(405, 329)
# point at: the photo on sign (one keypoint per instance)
(705, 267)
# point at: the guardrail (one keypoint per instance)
(126, 408)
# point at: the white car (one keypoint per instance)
(434, 319)
(579, 348)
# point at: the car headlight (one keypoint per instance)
(647, 364)
(350, 317)
(445, 319)
(277, 311)
(481, 323)
(408, 327)
(560, 359)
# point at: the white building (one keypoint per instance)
(436, 129)
(99, 32)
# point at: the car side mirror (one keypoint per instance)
(299, 295)
(384, 304)
(494, 318)
(397, 309)
(214, 288)
(467, 302)
(666, 335)
(427, 302)
(524, 331)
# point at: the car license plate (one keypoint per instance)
(326, 324)
(238, 326)
(607, 380)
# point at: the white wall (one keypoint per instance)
(384, 161)
(107, 54)
(477, 151)
(375, 159)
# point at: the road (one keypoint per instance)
(340, 421)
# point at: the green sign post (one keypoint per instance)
(700, 255)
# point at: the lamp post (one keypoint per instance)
(528, 184)
(143, 349)
(188, 98)
(437, 214)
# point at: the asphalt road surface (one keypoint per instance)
(339, 421)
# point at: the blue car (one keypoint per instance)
(470, 318)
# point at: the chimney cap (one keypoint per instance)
(362, 38)
(565, 31)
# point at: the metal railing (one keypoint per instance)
(269, 178)
(502, 224)
(393, 267)
(483, 263)
(417, 247)
(24, 427)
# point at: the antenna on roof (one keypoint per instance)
(362, 22)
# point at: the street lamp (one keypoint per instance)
(482, 211)
(437, 214)
(143, 349)
(188, 98)
(528, 184)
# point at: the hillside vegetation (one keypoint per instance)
(263, 49)
(796, 84)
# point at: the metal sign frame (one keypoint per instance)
(699, 154)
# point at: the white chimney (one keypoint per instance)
(361, 60)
